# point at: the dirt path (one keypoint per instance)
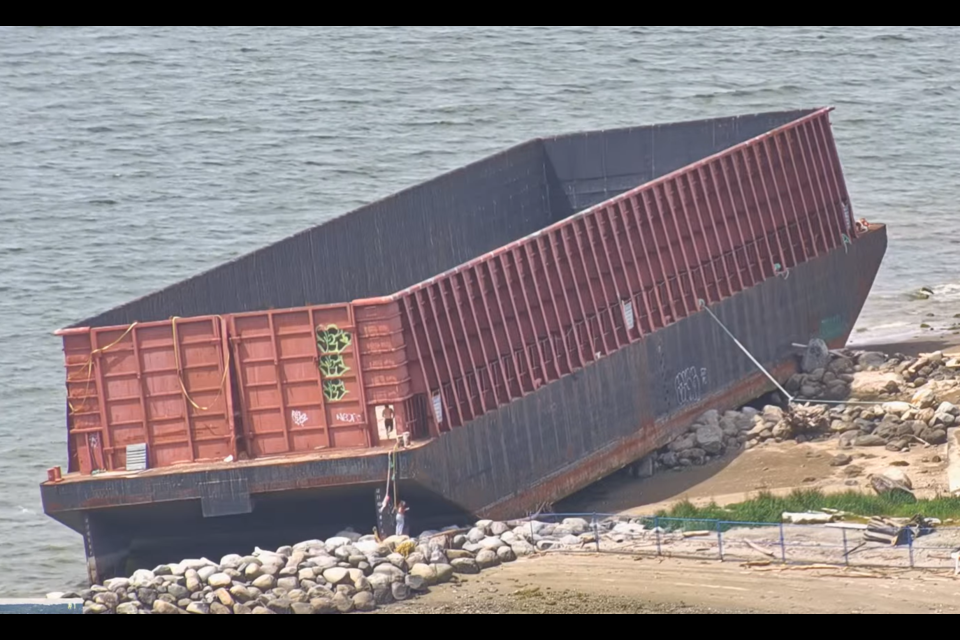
(778, 468)
(616, 584)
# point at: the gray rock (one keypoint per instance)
(416, 584)
(426, 572)
(108, 599)
(117, 584)
(225, 598)
(383, 595)
(498, 529)
(232, 561)
(263, 611)
(337, 576)
(398, 561)
(454, 554)
(252, 571)
(395, 575)
(710, 439)
(265, 583)
(816, 357)
(401, 591)
(683, 444)
(241, 593)
(281, 606)
(841, 460)
(241, 610)
(364, 602)
(343, 603)
(177, 591)
(286, 572)
(465, 566)
(458, 541)
(95, 609)
(206, 572)
(147, 596)
(669, 460)
(324, 606)
(301, 609)
(476, 535)
(322, 563)
(871, 359)
(444, 573)
(198, 609)
(487, 559)
(128, 609)
(935, 436)
(164, 608)
(346, 589)
(183, 604)
(142, 578)
(289, 583)
(298, 595)
(218, 580)
(217, 609)
(491, 544)
(506, 554)
(870, 441)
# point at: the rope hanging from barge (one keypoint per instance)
(176, 356)
(89, 367)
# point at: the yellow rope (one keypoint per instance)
(89, 368)
(176, 355)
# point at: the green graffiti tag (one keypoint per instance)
(334, 390)
(333, 339)
(333, 366)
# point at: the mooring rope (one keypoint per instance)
(791, 399)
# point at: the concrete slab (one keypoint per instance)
(40, 606)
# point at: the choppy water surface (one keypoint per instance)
(131, 158)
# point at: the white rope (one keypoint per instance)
(790, 399)
(704, 306)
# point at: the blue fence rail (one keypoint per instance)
(776, 543)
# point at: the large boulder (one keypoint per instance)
(426, 572)
(710, 439)
(466, 566)
(487, 559)
(444, 573)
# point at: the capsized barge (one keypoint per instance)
(506, 334)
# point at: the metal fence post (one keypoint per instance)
(783, 545)
(846, 552)
(910, 542)
(596, 532)
(656, 525)
(720, 539)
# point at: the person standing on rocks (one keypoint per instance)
(402, 509)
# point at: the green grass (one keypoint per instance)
(768, 508)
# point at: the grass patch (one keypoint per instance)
(768, 508)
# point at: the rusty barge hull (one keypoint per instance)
(523, 374)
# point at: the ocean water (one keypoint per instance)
(132, 157)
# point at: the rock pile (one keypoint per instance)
(344, 574)
(828, 383)
(895, 425)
